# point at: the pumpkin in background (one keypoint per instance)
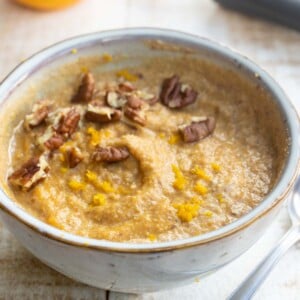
(46, 4)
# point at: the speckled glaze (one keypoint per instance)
(138, 268)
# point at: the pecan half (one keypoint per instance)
(198, 130)
(101, 114)
(40, 111)
(149, 98)
(134, 110)
(135, 115)
(126, 87)
(54, 142)
(68, 122)
(30, 173)
(174, 94)
(86, 89)
(134, 102)
(73, 156)
(115, 100)
(110, 154)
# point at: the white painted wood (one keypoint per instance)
(22, 32)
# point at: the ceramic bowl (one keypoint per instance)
(137, 268)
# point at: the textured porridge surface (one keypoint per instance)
(166, 189)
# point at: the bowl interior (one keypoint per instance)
(275, 115)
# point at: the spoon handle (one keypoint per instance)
(254, 280)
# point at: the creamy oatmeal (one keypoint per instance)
(168, 149)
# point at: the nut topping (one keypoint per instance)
(134, 102)
(68, 123)
(73, 156)
(149, 98)
(135, 110)
(110, 154)
(30, 173)
(197, 131)
(115, 100)
(101, 114)
(174, 94)
(135, 115)
(126, 87)
(54, 142)
(86, 89)
(62, 123)
(38, 115)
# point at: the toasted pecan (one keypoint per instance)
(126, 87)
(40, 111)
(86, 89)
(110, 154)
(198, 130)
(134, 102)
(115, 100)
(73, 156)
(54, 142)
(68, 122)
(135, 115)
(30, 173)
(174, 94)
(102, 114)
(147, 97)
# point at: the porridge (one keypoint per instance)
(167, 149)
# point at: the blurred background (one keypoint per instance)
(23, 31)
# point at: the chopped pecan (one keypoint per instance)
(126, 87)
(30, 173)
(134, 102)
(110, 154)
(73, 156)
(54, 142)
(68, 122)
(198, 129)
(135, 115)
(62, 123)
(86, 89)
(115, 100)
(174, 94)
(39, 113)
(149, 98)
(101, 114)
(134, 110)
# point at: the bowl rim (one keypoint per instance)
(278, 194)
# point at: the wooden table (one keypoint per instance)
(23, 32)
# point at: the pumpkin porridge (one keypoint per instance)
(167, 149)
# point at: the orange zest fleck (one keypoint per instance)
(208, 213)
(187, 211)
(201, 173)
(76, 185)
(152, 237)
(216, 167)
(106, 57)
(95, 136)
(200, 188)
(174, 139)
(127, 75)
(179, 182)
(99, 199)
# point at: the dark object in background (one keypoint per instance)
(285, 12)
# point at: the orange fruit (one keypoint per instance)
(46, 4)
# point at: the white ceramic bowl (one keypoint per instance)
(148, 267)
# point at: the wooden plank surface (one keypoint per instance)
(22, 32)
